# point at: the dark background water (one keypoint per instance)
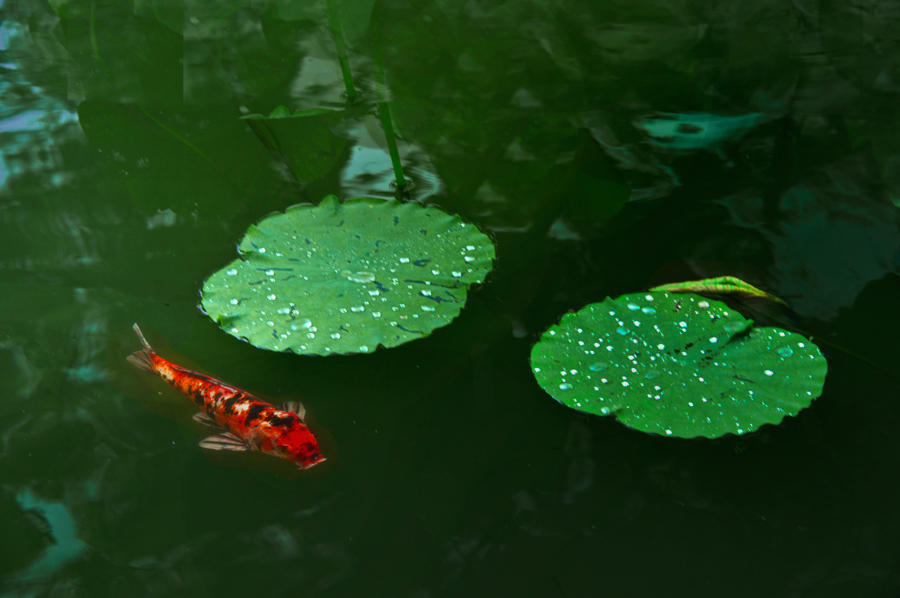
(605, 146)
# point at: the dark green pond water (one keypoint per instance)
(606, 147)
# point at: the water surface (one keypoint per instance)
(605, 147)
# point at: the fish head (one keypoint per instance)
(295, 444)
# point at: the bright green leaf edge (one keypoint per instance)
(677, 365)
(342, 278)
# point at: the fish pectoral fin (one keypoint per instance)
(140, 360)
(295, 407)
(224, 442)
(202, 418)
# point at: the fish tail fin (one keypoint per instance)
(142, 359)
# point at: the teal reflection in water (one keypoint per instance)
(31, 122)
(368, 170)
(696, 131)
(66, 545)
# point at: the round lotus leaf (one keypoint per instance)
(347, 277)
(677, 365)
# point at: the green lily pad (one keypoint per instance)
(348, 277)
(677, 365)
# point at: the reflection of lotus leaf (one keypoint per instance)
(347, 277)
(677, 365)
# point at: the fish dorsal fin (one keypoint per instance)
(212, 380)
(206, 420)
(224, 442)
(140, 334)
(295, 407)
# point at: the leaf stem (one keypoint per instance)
(384, 112)
(337, 32)
(95, 48)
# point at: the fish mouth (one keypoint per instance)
(311, 463)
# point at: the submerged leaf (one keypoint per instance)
(306, 140)
(280, 112)
(677, 365)
(285, 112)
(348, 277)
(171, 160)
(723, 285)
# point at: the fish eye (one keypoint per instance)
(281, 449)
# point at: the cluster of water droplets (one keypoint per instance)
(664, 363)
(353, 286)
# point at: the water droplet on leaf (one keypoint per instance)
(361, 277)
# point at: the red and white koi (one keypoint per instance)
(247, 423)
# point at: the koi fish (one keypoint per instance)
(247, 423)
